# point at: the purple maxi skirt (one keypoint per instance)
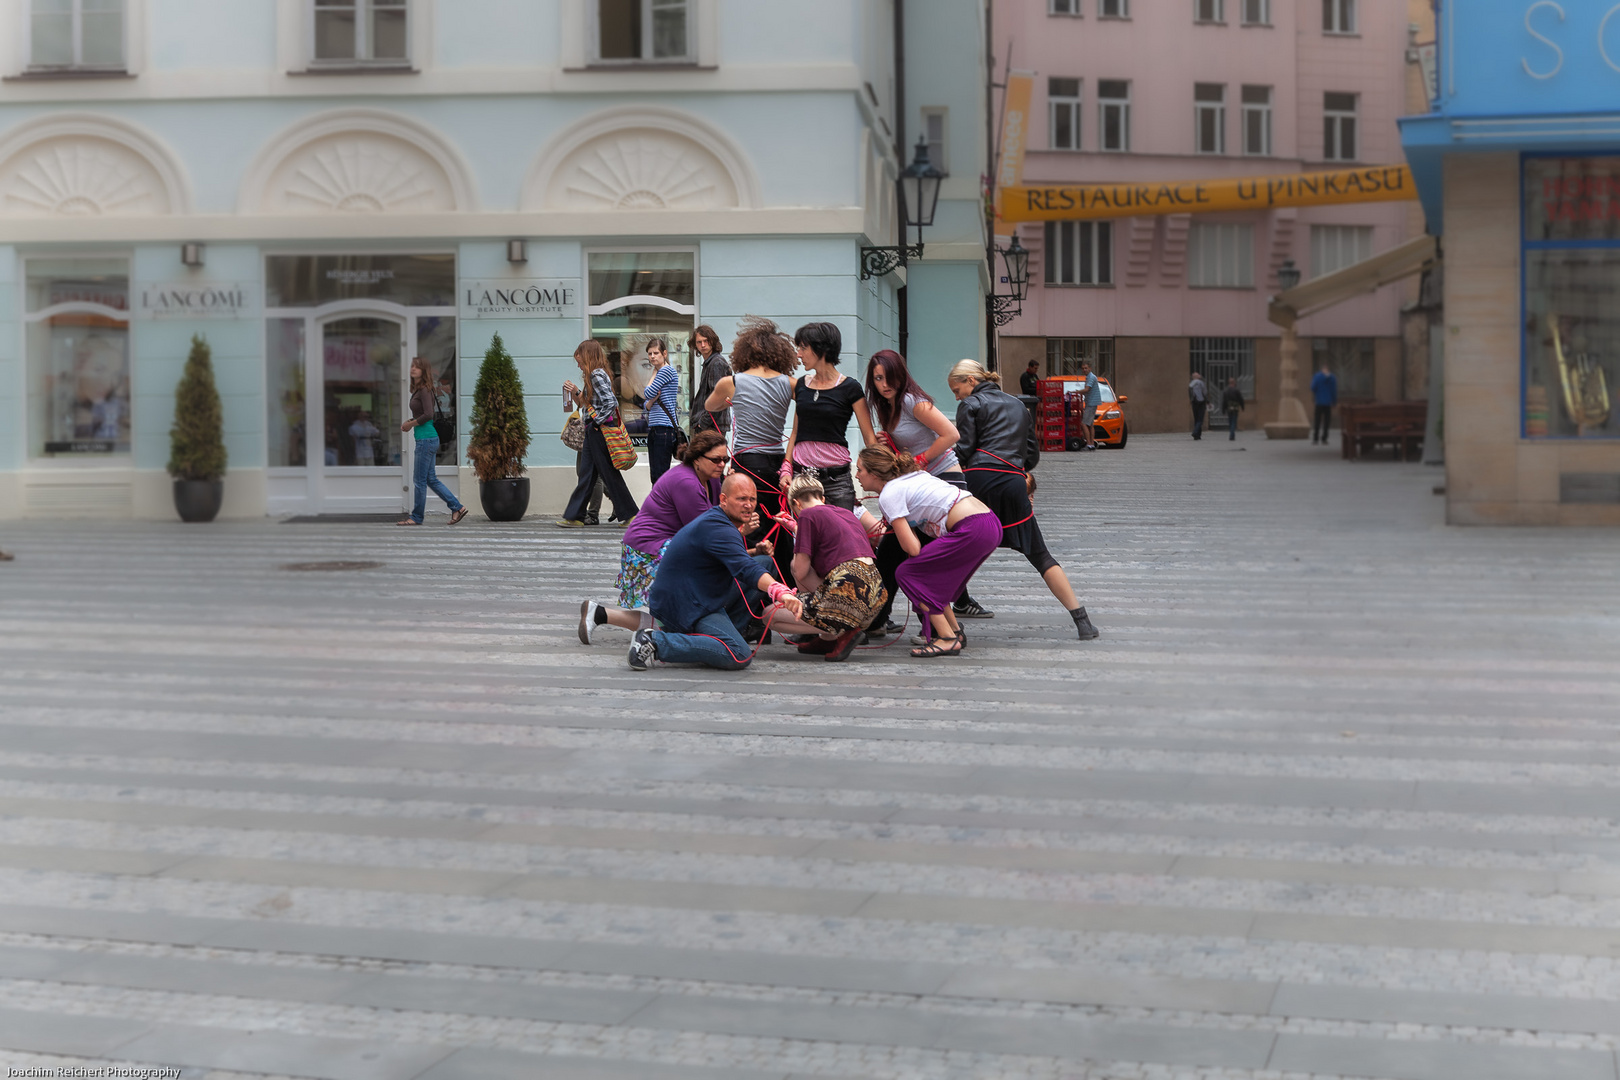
(937, 575)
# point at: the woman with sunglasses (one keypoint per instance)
(682, 494)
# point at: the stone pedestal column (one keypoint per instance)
(1291, 422)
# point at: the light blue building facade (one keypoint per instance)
(1518, 167)
(325, 190)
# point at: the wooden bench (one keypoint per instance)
(1395, 424)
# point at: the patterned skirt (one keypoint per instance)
(848, 598)
(636, 572)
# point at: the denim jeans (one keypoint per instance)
(427, 456)
(660, 448)
(677, 645)
(1231, 426)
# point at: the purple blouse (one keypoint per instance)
(680, 496)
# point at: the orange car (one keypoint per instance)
(1109, 428)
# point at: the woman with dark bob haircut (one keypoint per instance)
(759, 395)
(683, 493)
(824, 400)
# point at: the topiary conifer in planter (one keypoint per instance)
(197, 439)
(499, 438)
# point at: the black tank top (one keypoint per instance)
(824, 414)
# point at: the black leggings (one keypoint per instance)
(762, 468)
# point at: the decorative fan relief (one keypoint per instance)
(80, 176)
(641, 170)
(360, 173)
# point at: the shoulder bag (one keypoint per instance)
(573, 433)
(621, 451)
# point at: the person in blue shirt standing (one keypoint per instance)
(1325, 389)
(707, 586)
(660, 409)
(1088, 418)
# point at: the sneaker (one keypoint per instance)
(642, 653)
(1082, 623)
(842, 646)
(569, 523)
(615, 523)
(971, 609)
(591, 519)
(888, 629)
(591, 616)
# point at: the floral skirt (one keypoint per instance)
(636, 572)
(848, 598)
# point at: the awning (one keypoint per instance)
(1363, 277)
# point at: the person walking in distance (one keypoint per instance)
(1030, 381)
(1198, 394)
(601, 407)
(997, 449)
(661, 405)
(681, 496)
(1088, 414)
(1232, 403)
(758, 397)
(824, 401)
(712, 367)
(707, 586)
(426, 458)
(1325, 391)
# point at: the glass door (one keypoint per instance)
(364, 462)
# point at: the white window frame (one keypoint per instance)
(1113, 9)
(941, 161)
(690, 56)
(1255, 13)
(1260, 110)
(120, 458)
(1123, 107)
(362, 39)
(1055, 103)
(130, 11)
(1340, 18)
(1209, 11)
(1334, 247)
(1213, 112)
(1220, 255)
(1336, 123)
(1078, 238)
(1070, 8)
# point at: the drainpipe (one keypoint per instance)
(902, 301)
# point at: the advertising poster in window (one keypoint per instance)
(1571, 277)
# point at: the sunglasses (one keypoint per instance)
(724, 459)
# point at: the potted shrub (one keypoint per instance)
(197, 439)
(499, 437)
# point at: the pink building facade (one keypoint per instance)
(1149, 90)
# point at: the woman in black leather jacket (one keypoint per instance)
(997, 446)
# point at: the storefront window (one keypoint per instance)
(1571, 265)
(77, 335)
(636, 297)
(284, 369)
(313, 280)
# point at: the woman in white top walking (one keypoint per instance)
(965, 532)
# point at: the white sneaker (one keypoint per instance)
(591, 616)
(642, 653)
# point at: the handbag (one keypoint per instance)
(621, 451)
(573, 433)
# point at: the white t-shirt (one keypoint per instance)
(919, 496)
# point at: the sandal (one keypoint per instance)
(458, 515)
(407, 521)
(933, 649)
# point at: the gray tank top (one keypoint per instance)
(912, 434)
(759, 408)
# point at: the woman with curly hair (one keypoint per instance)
(681, 495)
(965, 532)
(758, 396)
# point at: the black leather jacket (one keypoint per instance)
(990, 419)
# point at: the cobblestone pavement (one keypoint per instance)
(1334, 795)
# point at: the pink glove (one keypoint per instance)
(778, 590)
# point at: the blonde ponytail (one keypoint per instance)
(972, 371)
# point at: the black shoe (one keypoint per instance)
(1082, 623)
(753, 631)
(592, 520)
(888, 629)
(971, 609)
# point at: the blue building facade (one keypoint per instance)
(1518, 167)
(324, 191)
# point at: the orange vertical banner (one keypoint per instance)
(1015, 128)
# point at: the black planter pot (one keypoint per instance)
(198, 500)
(505, 500)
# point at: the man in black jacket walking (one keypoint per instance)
(1232, 404)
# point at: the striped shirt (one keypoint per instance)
(660, 397)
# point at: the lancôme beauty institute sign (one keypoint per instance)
(195, 300)
(521, 298)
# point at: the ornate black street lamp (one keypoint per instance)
(918, 196)
(1004, 308)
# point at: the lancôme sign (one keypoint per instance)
(522, 298)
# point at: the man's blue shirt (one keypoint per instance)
(696, 576)
(1325, 388)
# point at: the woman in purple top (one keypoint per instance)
(681, 495)
(832, 559)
